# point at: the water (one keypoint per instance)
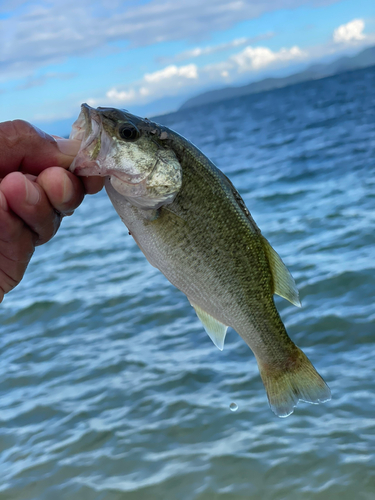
(110, 388)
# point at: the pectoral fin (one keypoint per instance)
(283, 281)
(215, 330)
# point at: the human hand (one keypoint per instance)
(36, 191)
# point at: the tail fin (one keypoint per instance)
(298, 380)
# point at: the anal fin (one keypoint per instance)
(214, 328)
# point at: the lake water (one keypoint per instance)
(109, 387)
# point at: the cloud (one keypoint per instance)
(189, 71)
(203, 51)
(171, 79)
(255, 58)
(349, 32)
(49, 31)
(115, 95)
(41, 80)
(153, 85)
(11, 5)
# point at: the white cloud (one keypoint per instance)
(349, 32)
(11, 5)
(189, 71)
(171, 79)
(166, 81)
(255, 58)
(144, 91)
(203, 51)
(115, 95)
(74, 28)
(41, 80)
(199, 51)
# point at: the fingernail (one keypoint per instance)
(69, 147)
(32, 193)
(68, 190)
(3, 202)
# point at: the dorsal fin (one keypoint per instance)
(215, 330)
(283, 282)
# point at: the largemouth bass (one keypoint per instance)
(192, 224)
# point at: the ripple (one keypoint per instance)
(109, 386)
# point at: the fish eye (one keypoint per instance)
(129, 132)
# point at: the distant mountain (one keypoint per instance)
(362, 60)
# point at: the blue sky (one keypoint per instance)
(150, 56)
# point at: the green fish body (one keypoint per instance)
(200, 235)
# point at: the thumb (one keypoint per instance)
(27, 148)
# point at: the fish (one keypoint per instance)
(192, 224)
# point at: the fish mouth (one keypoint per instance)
(96, 144)
(87, 125)
(89, 130)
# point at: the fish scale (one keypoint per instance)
(192, 224)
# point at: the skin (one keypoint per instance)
(36, 192)
(206, 243)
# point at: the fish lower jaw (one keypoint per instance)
(88, 169)
(79, 129)
(77, 134)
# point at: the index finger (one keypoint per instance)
(25, 147)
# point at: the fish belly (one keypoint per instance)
(228, 277)
(209, 275)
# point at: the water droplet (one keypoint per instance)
(233, 407)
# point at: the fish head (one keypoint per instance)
(130, 151)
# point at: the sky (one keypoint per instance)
(149, 56)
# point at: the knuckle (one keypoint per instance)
(7, 283)
(19, 250)
(22, 253)
(10, 230)
(13, 132)
(48, 230)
